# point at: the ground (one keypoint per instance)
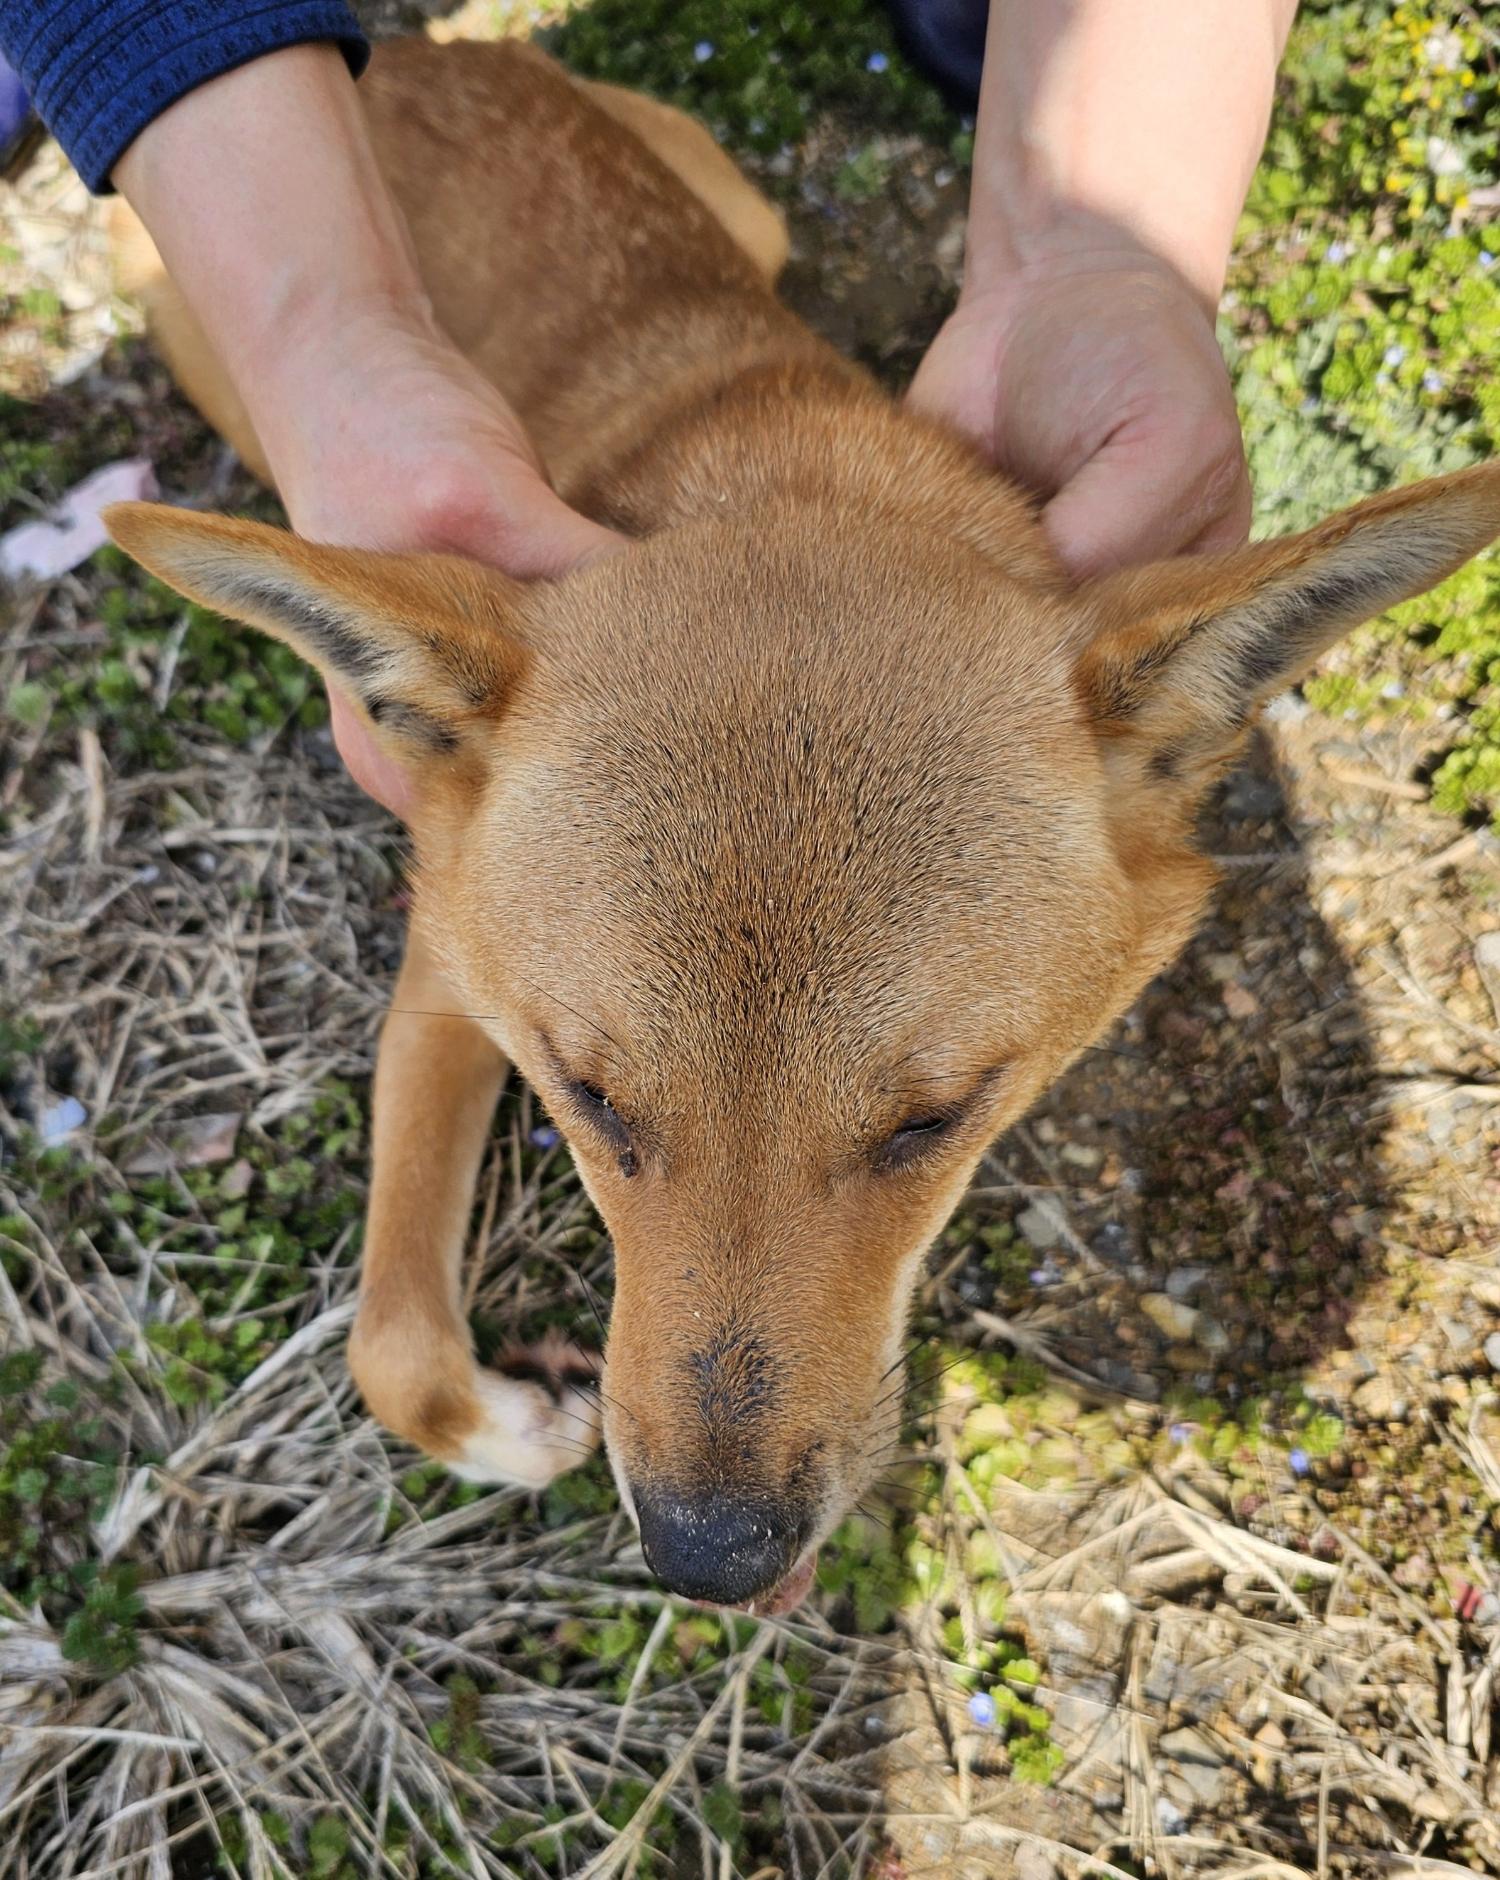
(1195, 1564)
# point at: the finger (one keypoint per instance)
(957, 383)
(542, 538)
(376, 774)
(1231, 530)
(1142, 499)
(504, 512)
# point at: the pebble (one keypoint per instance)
(1197, 1762)
(1485, 1291)
(1378, 1399)
(1240, 1002)
(1040, 1226)
(1182, 1323)
(59, 1120)
(1183, 1281)
(1414, 1573)
(1082, 1155)
(1172, 1317)
(1487, 959)
(1492, 1351)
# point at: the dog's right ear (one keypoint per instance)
(429, 646)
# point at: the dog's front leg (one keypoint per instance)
(437, 1076)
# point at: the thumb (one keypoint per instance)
(527, 530)
(1143, 498)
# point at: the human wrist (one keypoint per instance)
(1025, 231)
(1114, 125)
(264, 198)
(1076, 253)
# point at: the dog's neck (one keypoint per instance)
(803, 428)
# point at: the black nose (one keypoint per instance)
(717, 1547)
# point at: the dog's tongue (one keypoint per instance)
(786, 1593)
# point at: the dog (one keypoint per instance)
(789, 854)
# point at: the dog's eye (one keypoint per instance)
(595, 1108)
(913, 1140)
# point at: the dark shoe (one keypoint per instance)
(944, 39)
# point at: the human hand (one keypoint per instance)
(1096, 380)
(264, 198)
(381, 435)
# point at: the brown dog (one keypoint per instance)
(789, 854)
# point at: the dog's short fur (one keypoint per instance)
(789, 854)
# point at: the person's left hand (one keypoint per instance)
(1095, 379)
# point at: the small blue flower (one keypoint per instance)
(982, 1710)
(1337, 252)
(877, 62)
(1180, 1432)
(1486, 259)
(703, 50)
(1300, 1461)
(1432, 381)
(1394, 355)
(544, 1136)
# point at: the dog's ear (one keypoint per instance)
(1185, 652)
(429, 646)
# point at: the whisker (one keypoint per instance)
(595, 1384)
(417, 1011)
(593, 1302)
(576, 1013)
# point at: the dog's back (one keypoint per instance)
(558, 225)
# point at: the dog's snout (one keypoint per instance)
(722, 1548)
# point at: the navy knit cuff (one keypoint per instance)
(100, 70)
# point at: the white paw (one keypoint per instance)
(541, 1418)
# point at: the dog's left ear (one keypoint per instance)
(1185, 652)
(429, 646)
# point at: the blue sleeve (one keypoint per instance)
(100, 70)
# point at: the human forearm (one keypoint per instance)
(263, 197)
(1106, 122)
(265, 200)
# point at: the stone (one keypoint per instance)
(1492, 1351)
(1240, 1002)
(1041, 1226)
(1183, 1281)
(1414, 1573)
(1172, 1317)
(1182, 1323)
(1487, 959)
(1379, 1400)
(1082, 1155)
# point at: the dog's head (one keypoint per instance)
(790, 859)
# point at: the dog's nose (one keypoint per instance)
(717, 1547)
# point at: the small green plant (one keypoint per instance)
(1364, 324)
(758, 76)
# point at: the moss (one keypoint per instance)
(759, 76)
(1365, 320)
